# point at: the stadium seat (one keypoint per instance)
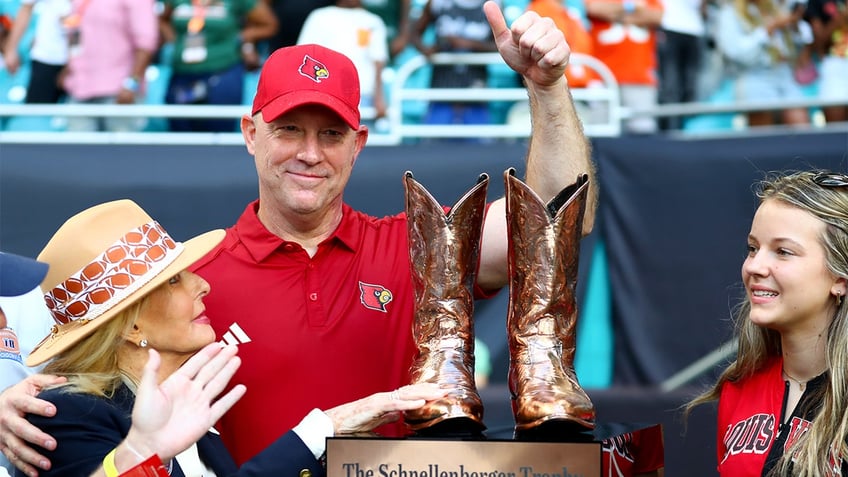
(714, 122)
(13, 91)
(156, 78)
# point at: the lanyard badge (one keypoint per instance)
(194, 50)
(71, 24)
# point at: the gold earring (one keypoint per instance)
(839, 299)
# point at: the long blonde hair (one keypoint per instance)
(755, 18)
(823, 445)
(91, 365)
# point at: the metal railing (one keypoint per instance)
(399, 127)
(400, 93)
(396, 132)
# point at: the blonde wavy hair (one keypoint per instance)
(765, 9)
(824, 443)
(91, 365)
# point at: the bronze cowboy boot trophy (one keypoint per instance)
(544, 241)
(443, 251)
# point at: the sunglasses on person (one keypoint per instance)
(831, 179)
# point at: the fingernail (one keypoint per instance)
(49, 444)
(50, 410)
(44, 464)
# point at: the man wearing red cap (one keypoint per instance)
(295, 278)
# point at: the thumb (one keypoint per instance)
(495, 17)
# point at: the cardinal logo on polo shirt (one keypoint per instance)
(375, 297)
(313, 69)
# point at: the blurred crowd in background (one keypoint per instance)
(188, 52)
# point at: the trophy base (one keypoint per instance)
(457, 427)
(555, 430)
(550, 450)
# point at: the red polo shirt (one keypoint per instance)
(323, 330)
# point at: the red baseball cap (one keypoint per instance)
(308, 74)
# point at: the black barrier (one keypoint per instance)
(192, 189)
(674, 215)
(675, 218)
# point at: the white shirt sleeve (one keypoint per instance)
(311, 31)
(313, 430)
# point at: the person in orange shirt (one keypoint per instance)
(624, 38)
(575, 34)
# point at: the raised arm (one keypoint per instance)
(11, 55)
(169, 417)
(559, 151)
(417, 29)
(641, 14)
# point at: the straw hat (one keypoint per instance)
(103, 260)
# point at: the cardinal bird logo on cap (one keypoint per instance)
(375, 297)
(313, 69)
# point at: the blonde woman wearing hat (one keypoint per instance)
(117, 288)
